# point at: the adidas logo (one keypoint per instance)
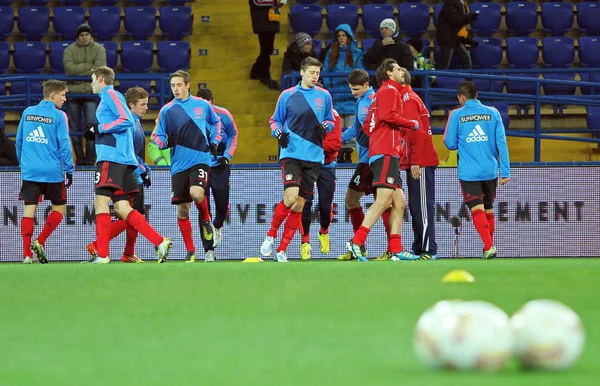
(37, 136)
(477, 135)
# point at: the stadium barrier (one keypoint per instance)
(544, 211)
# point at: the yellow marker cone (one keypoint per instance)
(253, 260)
(458, 276)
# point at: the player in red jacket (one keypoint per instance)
(332, 144)
(385, 126)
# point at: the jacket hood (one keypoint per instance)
(346, 28)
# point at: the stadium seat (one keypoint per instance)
(488, 21)
(437, 8)
(30, 57)
(178, 3)
(558, 52)
(145, 3)
(489, 85)
(57, 50)
(589, 51)
(522, 52)
(173, 56)
(503, 110)
(4, 57)
(588, 14)
(140, 22)
(105, 22)
(586, 90)
(521, 17)
(33, 22)
(2, 113)
(516, 87)
(593, 120)
(4, 3)
(136, 56)
(488, 54)
(413, 19)
(7, 23)
(66, 20)
(111, 53)
(342, 14)
(73, 3)
(447, 82)
(108, 3)
(557, 17)
(306, 1)
(306, 18)
(559, 89)
(366, 44)
(37, 3)
(125, 85)
(317, 47)
(425, 51)
(373, 15)
(175, 22)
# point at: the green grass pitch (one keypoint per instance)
(228, 323)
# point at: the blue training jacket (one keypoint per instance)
(229, 135)
(116, 128)
(196, 126)
(43, 144)
(139, 147)
(360, 114)
(477, 132)
(298, 112)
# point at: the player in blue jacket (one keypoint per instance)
(191, 128)
(115, 168)
(45, 155)
(478, 134)
(302, 117)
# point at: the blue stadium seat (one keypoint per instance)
(125, 85)
(488, 22)
(178, 3)
(593, 120)
(4, 3)
(437, 8)
(521, 17)
(425, 51)
(559, 89)
(144, 3)
(4, 57)
(343, 1)
(173, 56)
(585, 90)
(317, 47)
(413, 19)
(447, 82)
(37, 3)
(366, 44)
(589, 51)
(557, 17)
(30, 57)
(175, 22)
(522, 52)
(56, 56)
(111, 53)
(7, 23)
(136, 56)
(140, 22)
(108, 3)
(515, 87)
(306, 1)
(488, 54)
(306, 18)
(342, 14)
(503, 110)
(558, 52)
(2, 113)
(105, 22)
(66, 20)
(73, 3)
(372, 16)
(588, 14)
(34, 22)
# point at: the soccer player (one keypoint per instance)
(137, 101)
(189, 126)
(218, 179)
(478, 133)
(326, 186)
(385, 125)
(302, 118)
(115, 179)
(45, 155)
(419, 158)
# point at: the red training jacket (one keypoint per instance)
(332, 143)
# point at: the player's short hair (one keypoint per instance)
(205, 93)
(52, 85)
(309, 61)
(384, 67)
(107, 73)
(467, 89)
(134, 94)
(358, 77)
(181, 74)
(407, 79)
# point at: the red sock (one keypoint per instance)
(203, 210)
(385, 217)
(132, 235)
(491, 221)
(395, 244)
(116, 227)
(103, 232)
(26, 234)
(51, 223)
(323, 231)
(139, 223)
(361, 235)
(281, 213)
(483, 228)
(185, 227)
(290, 227)
(356, 217)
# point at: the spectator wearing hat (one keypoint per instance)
(298, 49)
(451, 33)
(389, 46)
(79, 59)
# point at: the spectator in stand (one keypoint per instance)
(8, 152)
(451, 33)
(390, 46)
(299, 49)
(421, 62)
(79, 59)
(343, 56)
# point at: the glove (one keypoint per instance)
(146, 180)
(282, 138)
(322, 129)
(90, 130)
(473, 16)
(214, 149)
(416, 124)
(69, 180)
(171, 140)
(223, 161)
